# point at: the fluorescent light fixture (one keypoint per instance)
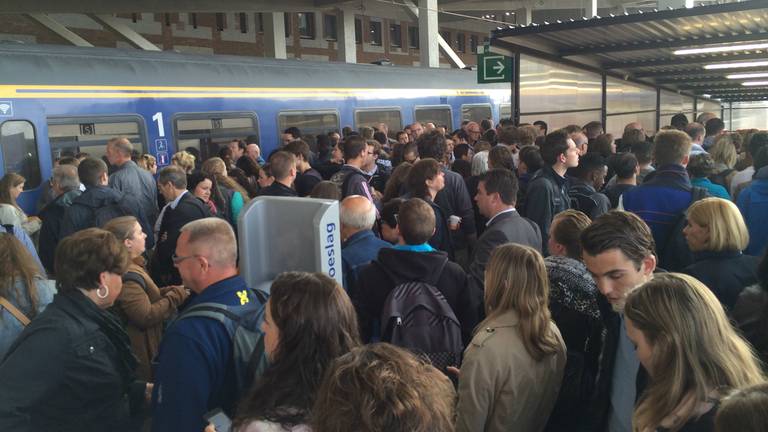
(748, 75)
(708, 96)
(720, 49)
(755, 83)
(736, 65)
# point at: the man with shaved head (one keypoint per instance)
(359, 245)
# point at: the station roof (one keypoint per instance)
(642, 47)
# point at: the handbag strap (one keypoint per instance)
(14, 311)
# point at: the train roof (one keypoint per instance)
(64, 65)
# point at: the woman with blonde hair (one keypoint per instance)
(148, 163)
(11, 186)
(185, 160)
(24, 290)
(692, 354)
(229, 196)
(141, 305)
(717, 234)
(725, 154)
(513, 368)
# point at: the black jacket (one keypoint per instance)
(725, 273)
(585, 198)
(454, 199)
(80, 215)
(53, 216)
(393, 267)
(547, 195)
(189, 209)
(277, 189)
(62, 375)
(306, 181)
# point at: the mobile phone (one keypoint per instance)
(220, 421)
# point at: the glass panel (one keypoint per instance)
(476, 113)
(505, 111)
(209, 132)
(615, 123)
(559, 120)
(19, 146)
(623, 96)
(395, 35)
(392, 118)
(413, 37)
(69, 136)
(307, 25)
(748, 115)
(547, 86)
(375, 33)
(329, 27)
(708, 106)
(309, 123)
(438, 115)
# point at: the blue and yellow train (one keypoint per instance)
(58, 100)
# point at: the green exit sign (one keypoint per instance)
(493, 68)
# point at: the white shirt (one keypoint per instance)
(172, 205)
(511, 209)
(741, 177)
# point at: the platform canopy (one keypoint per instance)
(718, 50)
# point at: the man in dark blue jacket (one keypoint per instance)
(195, 372)
(547, 193)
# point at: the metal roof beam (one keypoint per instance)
(122, 29)
(685, 60)
(656, 44)
(58, 28)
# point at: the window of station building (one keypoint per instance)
(358, 31)
(306, 25)
(310, 123)
(440, 115)
(329, 27)
(375, 28)
(207, 133)
(476, 112)
(371, 117)
(18, 143)
(461, 42)
(473, 44)
(69, 136)
(287, 22)
(260, 22)
(413, 37)
(395, 35)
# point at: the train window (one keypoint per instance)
(310, 123)
(19, 145)
(71, 135)
(476, 112)
(440, 115)
(505, 111)
(373, 116)
(209, 132)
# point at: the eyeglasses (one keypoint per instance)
(177, 259)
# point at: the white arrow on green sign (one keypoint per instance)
(493, 68)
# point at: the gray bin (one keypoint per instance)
(278, 234)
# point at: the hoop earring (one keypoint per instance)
(106, 292)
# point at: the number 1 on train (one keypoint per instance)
(158, 117)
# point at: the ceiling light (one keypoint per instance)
(755, 83)
(706, 95)
(748, 75)
(736, 65)
(720, 49)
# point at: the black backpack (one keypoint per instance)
(583, 203)
(115, 209)
(417, 316)
(674, 254)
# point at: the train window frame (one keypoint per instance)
(31, 181)
(437, 106)
(210, 115)
(397, 109)
(96, 119)
(309, 138)
(476, 105)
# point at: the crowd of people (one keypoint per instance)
(495, 278)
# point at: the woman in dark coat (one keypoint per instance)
(716, 234)
(72, 368)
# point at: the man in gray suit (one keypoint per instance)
(496, 195)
